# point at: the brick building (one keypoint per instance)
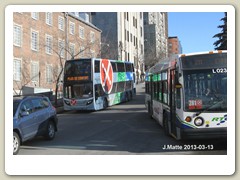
(42, 41)
(174, 46)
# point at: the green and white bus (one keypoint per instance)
(187, 95)
(94, 84)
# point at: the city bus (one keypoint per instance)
(187, 95)
(94, 83)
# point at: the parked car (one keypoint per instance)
(32, 116)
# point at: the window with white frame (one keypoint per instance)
(72, 28)
(92, 37)
(34, 71)
(35, 15)
(72, 49)
(34, 40)
(81, 32)
(49, 18)
(49, 73)
(61, 48)
(49, 44)
(17, 35)
(61, 23)
(17, 69)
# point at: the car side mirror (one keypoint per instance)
(24, 113)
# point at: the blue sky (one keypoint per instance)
(195, 29)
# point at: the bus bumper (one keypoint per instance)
(209, 133)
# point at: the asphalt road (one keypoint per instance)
(119, 130)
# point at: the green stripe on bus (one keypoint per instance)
(121, 76)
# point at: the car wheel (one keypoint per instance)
(50, 133)
(16, 143)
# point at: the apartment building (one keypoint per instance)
(174, 45)
(122, 37)
(43, 41)
(155, 37)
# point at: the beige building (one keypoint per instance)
(155, 37)
(43, 41)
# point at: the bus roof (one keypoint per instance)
(204, 52)
(172, 60)
(79, 59)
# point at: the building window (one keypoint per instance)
(35, 72)
(49, 73)
(72, 28)
(72, 49)
(35, 15)
(34, 40)
(92, 37)
(61, 48)
(61, 23)
(49, 19)
(49, 44)
(17, 69)
(81, 32)
(17, 35)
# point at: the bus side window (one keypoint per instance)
(97, 66)
(165, 92)
(114, 66)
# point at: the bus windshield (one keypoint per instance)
(78, 67)
(205, 90)
(80, 90)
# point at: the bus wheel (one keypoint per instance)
(105, 103)
(131, 96)
(165, 124)
(127, 97)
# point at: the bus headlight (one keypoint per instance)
(89, 102)
(67, 102)
(199, 121)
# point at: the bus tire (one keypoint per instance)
(127, 97)
(131, 95)
(165, 124)
(105, 103)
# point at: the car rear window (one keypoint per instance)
(15, 106)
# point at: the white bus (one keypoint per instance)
(94, 84)
(187, 95)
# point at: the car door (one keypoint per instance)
(27, 120)
(42, 115)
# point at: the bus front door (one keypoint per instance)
(172, 103)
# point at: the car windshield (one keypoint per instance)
(205, 90)
(15, 106)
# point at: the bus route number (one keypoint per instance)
(219, 70)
